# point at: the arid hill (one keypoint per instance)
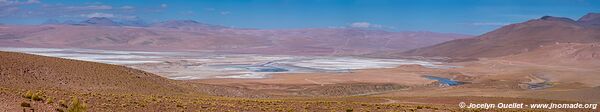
(568, 54)
(39, 83)
(590, 19)
(188, 35)
(37, 72)
(518, 38)
(25, 71)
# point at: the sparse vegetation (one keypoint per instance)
(63, 103)
(76, 106)
(28, 94)
(50, 100)
(38, 96)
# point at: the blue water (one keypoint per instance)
(445, 81)
(269, 69)
(256, 68)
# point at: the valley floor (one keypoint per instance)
(104, 87)
(496, 78)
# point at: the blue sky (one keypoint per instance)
(453, 16)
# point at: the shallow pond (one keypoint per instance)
(444, 81)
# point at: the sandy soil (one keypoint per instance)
(486, 78)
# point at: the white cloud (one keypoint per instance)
(127, 17)
(365, 25)
(8, 11)
(99, 7)
(164, 5)
(11, 7)
(33, 1)
(108, 15)
(17, 2)
(97, 14)
(91, 7)
(490, 23)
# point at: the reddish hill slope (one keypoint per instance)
(569, 54)
(38, 83)
(31, 72)
(517, 38)
(186, 35)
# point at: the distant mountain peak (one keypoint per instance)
(99, 21)
(135, 23)
(517, 38)
(176, 23)
(185, 21)
(99, 18)
(552, 18)
(590, 19)
(186, 24)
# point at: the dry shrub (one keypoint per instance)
(77, 106)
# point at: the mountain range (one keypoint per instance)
(524, 38)
(189, 35)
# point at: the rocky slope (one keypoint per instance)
(568, 54)
(38, 83)
(37, 72)
(518, 38)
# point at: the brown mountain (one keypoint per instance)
(189, 25)
(518, 38)
(590, 19)
(32, 72)
(101, 85)
(25, 71)
(187, 35)
(345, 41)
(123, 38)
(568, 54)
(99, 21)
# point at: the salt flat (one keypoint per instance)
(200, 65)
